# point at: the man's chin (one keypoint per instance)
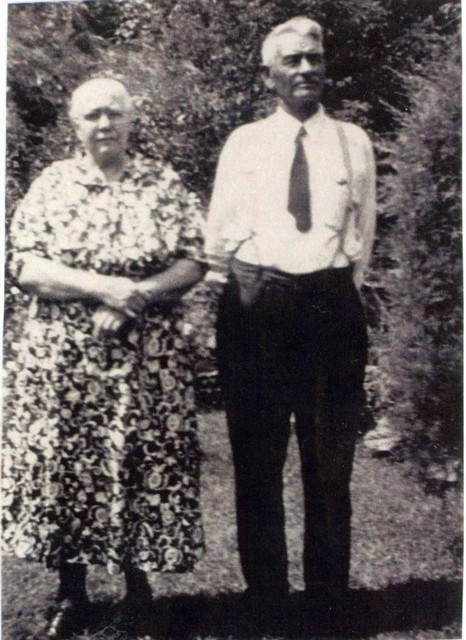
(308, 102)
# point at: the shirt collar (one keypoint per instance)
(289, 126)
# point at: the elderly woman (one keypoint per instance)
(101, 457)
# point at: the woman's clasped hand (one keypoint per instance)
(124, 295)
(123, 300)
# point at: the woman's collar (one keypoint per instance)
(89, 173)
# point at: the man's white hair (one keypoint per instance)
(90, 87)
(300, 25)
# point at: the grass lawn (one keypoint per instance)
(406, 564)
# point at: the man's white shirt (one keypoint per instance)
(248, 215)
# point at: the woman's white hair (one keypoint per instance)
(300, 25)
(89, 87)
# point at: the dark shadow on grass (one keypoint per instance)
(421, 604)
(415, 605)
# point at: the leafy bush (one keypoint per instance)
(420, 386)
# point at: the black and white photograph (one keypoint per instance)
(233, 320)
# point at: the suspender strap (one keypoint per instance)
(350, 177)
(347, 160)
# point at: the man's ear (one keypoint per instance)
(266, 77)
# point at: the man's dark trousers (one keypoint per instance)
(292, 344)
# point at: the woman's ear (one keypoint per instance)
(75, 126)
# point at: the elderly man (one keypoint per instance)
(292, 220)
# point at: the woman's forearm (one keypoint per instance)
(172, 283)
(53, 280)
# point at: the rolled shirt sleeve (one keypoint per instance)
(227, 227)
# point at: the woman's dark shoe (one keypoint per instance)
(69, 617)
(136, 606)
(138, 589)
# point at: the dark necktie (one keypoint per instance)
(299, 196)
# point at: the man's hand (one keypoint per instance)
(107, 322)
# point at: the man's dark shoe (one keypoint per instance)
(327, 611)
(266, 609)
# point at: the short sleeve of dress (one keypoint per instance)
(29, 229)
(190, 244)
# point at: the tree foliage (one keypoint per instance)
(420, 345)
(194, 67)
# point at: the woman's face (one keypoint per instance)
(101, 112)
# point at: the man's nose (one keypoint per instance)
(104, 121)
(306, 65)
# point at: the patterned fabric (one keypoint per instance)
(101, 456)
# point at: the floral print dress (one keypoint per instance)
(101, 456)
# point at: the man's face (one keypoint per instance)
(103, 123)
(297, 73)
